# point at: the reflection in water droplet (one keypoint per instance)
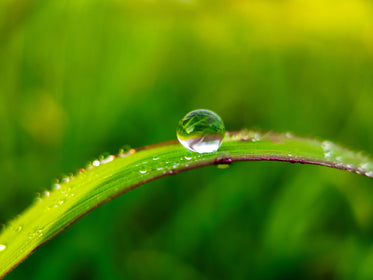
(96, 163)
(2, 247)
(143, 171)
(188, 158)
(201, 131)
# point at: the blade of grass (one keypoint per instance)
(111, 176)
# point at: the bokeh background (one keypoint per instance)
(82, 77)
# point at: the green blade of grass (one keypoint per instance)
(113, 175)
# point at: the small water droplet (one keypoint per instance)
(96, 163)
(201, 131)
(61, 202)
(188, 158)
(289, 135)
(155, 158)
(126, 151)
(2, 247)
(79, 171)
(143, 171)
(46, 194)
(106, 157)
(364, 166)
(56, 186)
(256, 137)
(328, 148)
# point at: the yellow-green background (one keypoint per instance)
(82, 77)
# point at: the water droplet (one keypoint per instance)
(289, 135)
(143, 171)
(79, 171)
(155, 158)
(106, 157)
(201, 131)
(46, 194)
(188, 158)
(56, 186)
(2, 247)
(96, 163)
(126, 151)
(328, 148)
(256, 137)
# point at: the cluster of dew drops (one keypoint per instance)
(59, 185)
(200, 131)
(342, 160)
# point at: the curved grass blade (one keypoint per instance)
(111, 176)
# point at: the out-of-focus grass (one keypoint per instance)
(78, 78)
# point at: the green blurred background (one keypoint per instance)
(82, 77)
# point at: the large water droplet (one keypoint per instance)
(2, 247)
(201, 131)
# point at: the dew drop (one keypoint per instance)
(143, 171)
(126, 151)
(96, 163)
(155, 158)
(188, 158)
(106, 157)
(2, 247)
(46, 193)
(56, 186)
(201, 131)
